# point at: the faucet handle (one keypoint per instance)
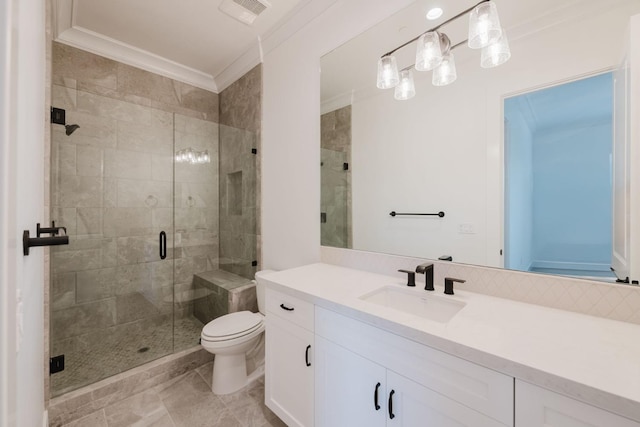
(448, 284)
(411, 277)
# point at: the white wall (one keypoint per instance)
(518, 189)
(22, 94)
(442, 150)
(291, 129)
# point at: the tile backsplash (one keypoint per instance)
(608, 300)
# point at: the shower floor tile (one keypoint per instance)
(187, 401)
(87, 364)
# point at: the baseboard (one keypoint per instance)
(582, 266)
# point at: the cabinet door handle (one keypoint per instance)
(375, 398)
(306, 355)
(284, 307)
(391, 414)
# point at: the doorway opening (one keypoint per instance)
(558, 179)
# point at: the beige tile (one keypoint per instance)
(82, 319)
(94, 130)
(162, 168)
(119, 222)
(93, 285)
(63, 291)
(96, 419)
(147, 194)
(206, 372)
(78, 191)
(145, 137)
(143, 409)
(140, 305)
(89, 222)
(110, 108)
(127, 164)
(63, 159)
(192, 404)
(64, 97)
(72, 63)
(90, 161)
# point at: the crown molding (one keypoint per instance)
(66, 31)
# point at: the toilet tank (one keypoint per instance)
(260, 288)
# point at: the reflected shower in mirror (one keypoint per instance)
(447, 148)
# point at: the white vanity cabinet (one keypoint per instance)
(289, 358)
(415, 384)
(538, 407)
(354, 391)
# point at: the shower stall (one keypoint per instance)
(151, 198)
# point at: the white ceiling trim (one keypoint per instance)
(68, 33)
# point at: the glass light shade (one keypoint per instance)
(429, 52)
(387, 72)
(445, 73)
(497, 53)
(484, 25)
(406, 89)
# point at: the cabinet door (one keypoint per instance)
(346, 388)
(410, 404)
(289, 372)
(537, 407)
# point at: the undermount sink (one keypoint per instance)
(420, 303)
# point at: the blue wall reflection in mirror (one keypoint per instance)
(558, 190)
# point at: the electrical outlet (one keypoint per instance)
(466, 228)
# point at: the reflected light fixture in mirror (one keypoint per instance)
(484, 25)
(387, 72)
(429, 52)
(497, 53)
(433, 46)
(406, 89)
(445, 73)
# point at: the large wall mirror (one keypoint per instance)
(518, 157)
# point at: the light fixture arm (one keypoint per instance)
(436, 28)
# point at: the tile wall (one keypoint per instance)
(335, 205)
(112, 187)
(240, 115)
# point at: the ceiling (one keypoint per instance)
(584, 101)
(190, 40)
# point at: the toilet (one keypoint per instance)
(229, 338)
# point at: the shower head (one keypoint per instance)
(70, 129)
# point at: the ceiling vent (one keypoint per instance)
(245, 11)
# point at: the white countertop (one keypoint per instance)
(587, 358)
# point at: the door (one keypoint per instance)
(350, 390)
(537, 407)
(410, 404)
(289, 372)
(626, 205)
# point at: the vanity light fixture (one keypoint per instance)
(406, 89)
(434, 51)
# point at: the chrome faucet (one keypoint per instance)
(427, 270)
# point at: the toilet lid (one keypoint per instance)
(232, 324)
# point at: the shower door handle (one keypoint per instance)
(163, 245)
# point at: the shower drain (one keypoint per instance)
(143, 350)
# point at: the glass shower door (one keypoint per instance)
(112, 286)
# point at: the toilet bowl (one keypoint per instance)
(229, 338)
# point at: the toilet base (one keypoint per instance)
(230, 373)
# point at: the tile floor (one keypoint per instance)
(187, 401)
(116, 354)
